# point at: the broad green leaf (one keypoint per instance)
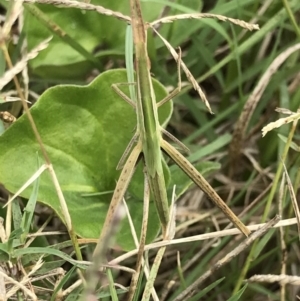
(85, 130)
(100, 35)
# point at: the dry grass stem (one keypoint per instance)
(281, 279)
(252, 101)
(15, 12)
(39, 232)
(17, 285)
(238, 22)
(227, 258)
(6, 98)
(63, 203)
(155, 272)
(28, 182)
(283, 247)
(293, 198)
(278, 123)
(159, 255)
(294, 85)
(49, 233)
(223, 233)
(71, 288)
(189, 75)
(18, 67)
(284, 111)
(93, 276)
(255, 163)
(81, 5)
(260, 12)
(2, 286)
(140, 244)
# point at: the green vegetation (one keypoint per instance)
(58, 161)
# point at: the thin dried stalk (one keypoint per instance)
(258, 15)
(138, 244)
(18, 67)
(293, 198)
(252, 101)
(284, 253)
(141, 245)
(65, 212)
(281, 121)
(2, 287)
(189, 75)
(159, 255)
(27, 279)
(282, 279)
(283, 223)
(28, 183)
(227, 258)
(19, 285)
(238, 22)
(81, 5)
(14, 12)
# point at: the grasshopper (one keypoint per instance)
(148, 140)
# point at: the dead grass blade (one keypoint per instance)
(14, 10)
(189, 75)
(284, 111)
(188, 292)
(5, 97)
(281, 121)
(2, 286)
(28, 182)
(17, 285)
(281, 279)
(260, 12)
(206, 236)
(160, 253)
(21, 65)
(283, 247)
(81, 5)
(251, 103)
(238, 22)
(177, 58)
(138, 246)
(293, 198)
(141, 244)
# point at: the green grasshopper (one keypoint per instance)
(149, 141)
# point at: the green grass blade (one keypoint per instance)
(112, 289)
(55, 29)
(29, 209)
(129, 61)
